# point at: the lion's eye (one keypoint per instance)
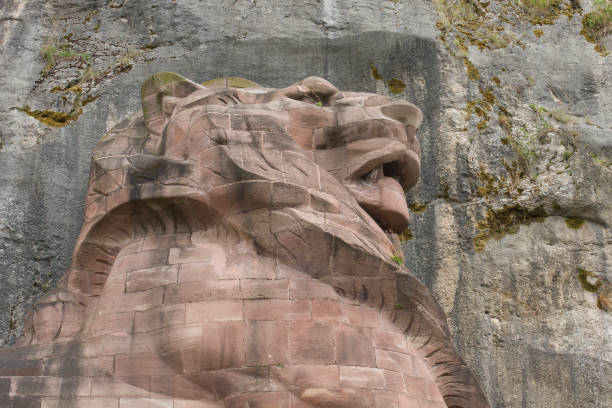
(312, 98)
(302, 94)
(304, 97)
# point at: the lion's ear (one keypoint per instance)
(159, 94)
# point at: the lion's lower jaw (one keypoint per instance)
(384, 201)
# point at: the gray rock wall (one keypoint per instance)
(511, 223)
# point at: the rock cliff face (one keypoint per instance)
(511, 219)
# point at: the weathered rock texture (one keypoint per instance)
(233, 254)
(511, 222)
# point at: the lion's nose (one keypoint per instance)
(403, 112)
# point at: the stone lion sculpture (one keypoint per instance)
(240, 250)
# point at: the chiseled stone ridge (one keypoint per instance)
(234, 254)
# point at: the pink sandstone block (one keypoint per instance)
(267, 343)
(394, 361)
(405, 401)
(138, 386)
(143, 279)
(248, 267)
(117, 342)
(166, 241)
(85, 367)
(394, 381)
(50, 386)
(362, 377)
(127, 365)
(145, 403)
(223, 345)
(264, 289)
(385, 399)
(311, 343)
(159, 317)
(180, 337)
(182, 403)
(295, 377)
(433, 392)
(142, 260)
(311, 289)
(354, 346)
(260, 400)
(200, 291)
(224, 383)
(189, 255)
(272, 309)
(168, 385)
(415, 387)
(215, 310)
(131, 302)
(388, 340)
(111, 323)
(80, 402)
(197, 272)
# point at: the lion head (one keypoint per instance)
(307, 177)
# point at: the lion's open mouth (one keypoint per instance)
(379, 186)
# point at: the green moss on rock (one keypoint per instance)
(583, 277)
(418, 208)
(598, 24)
(505, 122)
(487, 95)
(231, 82)
(471, 70)
(444, 190)
(375, 74)
(396, 86)
(407, 235)
(397, 259)
(507, 220)
(574, 223)
(51, 118)
(488, 183)
(604, 300)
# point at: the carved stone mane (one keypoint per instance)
(240, 250)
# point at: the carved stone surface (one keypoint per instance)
(234, 254)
